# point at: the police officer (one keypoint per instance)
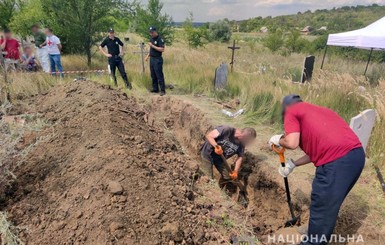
(114, 55)
(156, 62)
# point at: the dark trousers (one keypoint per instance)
(156, 67)
(331, 185)
(207, 167)
(117, 62)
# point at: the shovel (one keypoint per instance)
(236, 182)
(294, 219)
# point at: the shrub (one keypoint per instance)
(274, 41)
(220, 31)
(295, 43)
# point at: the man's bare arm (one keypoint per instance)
(212, 136)
(290, 141)
(238, 164)
(302, 161)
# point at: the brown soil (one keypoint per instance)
(98, 174)
(266, 210)
(105, 169)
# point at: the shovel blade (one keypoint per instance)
(292, 222)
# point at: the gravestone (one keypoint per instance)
(308, 67)
(221, 74)
(363, 125)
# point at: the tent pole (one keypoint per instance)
(323, 59)
(367, 65)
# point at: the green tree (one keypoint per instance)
(152, 15)
(80, 23)
(7, 9)
(274, 41)
(196, 37)
(30, 13)
(220, 31)
(295, 43)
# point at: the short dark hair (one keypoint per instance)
(49, 29)
(35, 26)
(251, 132)
(6, 30)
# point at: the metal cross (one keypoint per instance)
(142, 52)
(233, 48)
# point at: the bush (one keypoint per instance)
(274, 41)
(220, 31)
(196, 37)
(295, 43)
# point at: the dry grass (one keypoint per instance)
(260, 80)
(7, 237)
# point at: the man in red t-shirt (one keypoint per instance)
(10, 46)
(336, 152)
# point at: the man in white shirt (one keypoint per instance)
(54, 46)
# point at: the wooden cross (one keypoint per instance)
(233, 48)
(142, 52)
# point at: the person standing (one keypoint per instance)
(11, 47)
(41, 48)
(54, 47)
(114, 54)
(156, 62)
(336, 152)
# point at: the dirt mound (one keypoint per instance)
(96, 173)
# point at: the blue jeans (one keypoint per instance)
(55, 61)
(332, 183)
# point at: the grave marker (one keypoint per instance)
(363, 125)
(142, 52)
(233, 48)
(308, 67)
(221, 74)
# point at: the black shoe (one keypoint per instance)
(162, 93)
(128, 85)
(154, 91)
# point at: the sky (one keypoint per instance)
(211, 10)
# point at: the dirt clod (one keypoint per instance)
(115, 188)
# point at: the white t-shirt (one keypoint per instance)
(52, 42)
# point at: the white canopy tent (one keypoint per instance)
(371, 37)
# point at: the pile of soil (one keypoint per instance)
(97, 173)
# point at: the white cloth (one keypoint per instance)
(370, 37)
(43, 58)
(52, 44)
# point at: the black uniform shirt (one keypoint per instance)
(158, 42)
(112, 45)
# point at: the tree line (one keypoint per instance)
(81, 24)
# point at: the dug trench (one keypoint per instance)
(106, 168)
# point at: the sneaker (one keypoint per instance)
(128, 85)
(162, 93)
(154, 91)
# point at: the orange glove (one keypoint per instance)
(234, 175)
(218, 150)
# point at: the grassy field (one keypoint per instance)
(259, 81)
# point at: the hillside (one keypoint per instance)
(336, 19)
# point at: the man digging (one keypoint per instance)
(336, 152)
(225, 141)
